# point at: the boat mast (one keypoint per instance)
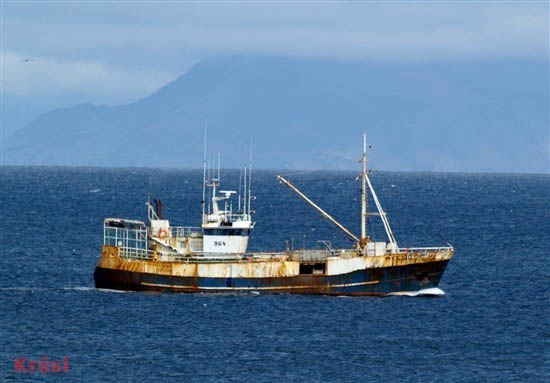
(203, 203)
(240, 188)
(381, 212)
(364, 238)
(244, 193)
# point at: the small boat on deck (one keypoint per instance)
(213, 257)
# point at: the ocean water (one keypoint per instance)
(488, 322)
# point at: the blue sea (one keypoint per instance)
(489, 322)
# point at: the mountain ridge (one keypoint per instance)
(310, 113)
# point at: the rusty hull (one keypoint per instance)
(348, 274)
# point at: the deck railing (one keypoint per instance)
(130, 239)
(303, 255)
(148, 255)
(424, 249)
(138, 254)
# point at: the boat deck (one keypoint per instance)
(302, 256)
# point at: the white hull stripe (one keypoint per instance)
(259, 288)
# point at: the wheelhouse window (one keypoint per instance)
(241, 232)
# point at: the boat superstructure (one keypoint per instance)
(214, 257)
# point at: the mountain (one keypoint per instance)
(310, 113)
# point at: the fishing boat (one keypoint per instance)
(213, 257)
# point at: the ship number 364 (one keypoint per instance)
(219, 243)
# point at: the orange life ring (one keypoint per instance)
(163, 233)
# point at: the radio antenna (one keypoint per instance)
(249, 177)
(203, 202)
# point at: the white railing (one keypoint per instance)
(139, 254)
(133, 238)
(304, 255)
(423, 249)
(237, 217)
(197, 257)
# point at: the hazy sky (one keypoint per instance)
(117, 52)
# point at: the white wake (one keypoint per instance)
(433, 291)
